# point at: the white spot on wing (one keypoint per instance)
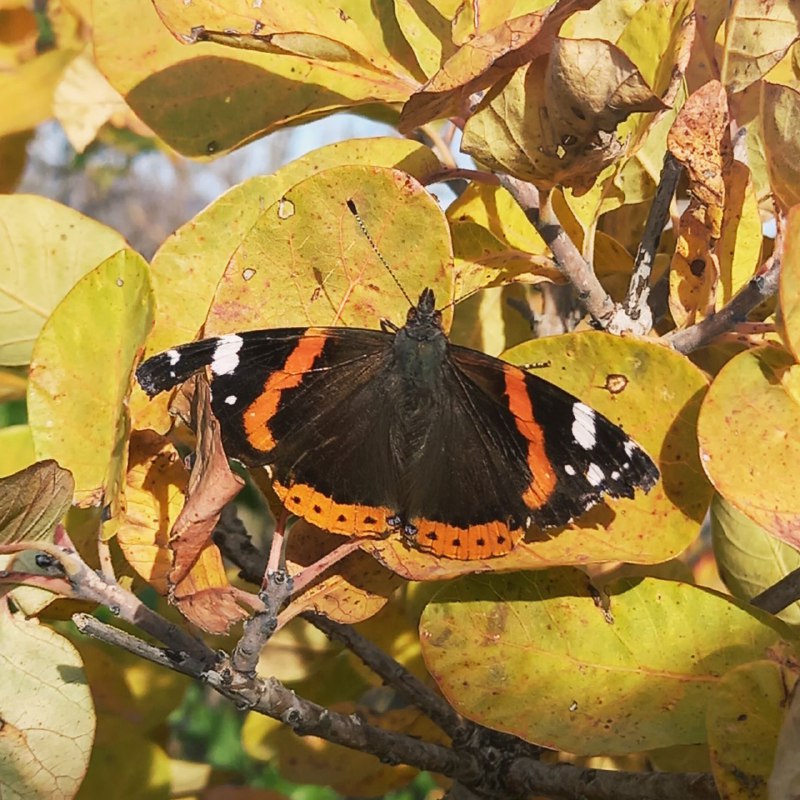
(226, 354)
(595, 475)
(174, 357)
(230, 399)
(584, 430)
(630, 447)
(615, 476)
(569, 469)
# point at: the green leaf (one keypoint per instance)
(33, 501)
(44, 249)
(81, 373)
(46, 710)
(749, 558)
(16, 449)
(534, 654)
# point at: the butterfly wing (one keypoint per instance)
(574, 455)
(304, 403)
(512, 450)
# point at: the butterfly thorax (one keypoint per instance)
(420, 350)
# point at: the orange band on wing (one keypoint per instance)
(258, 415)
(519, 403)
(486, 540)
(322, 511)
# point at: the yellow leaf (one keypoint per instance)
(748, 409)
(46, 708)
(744, 718)
(81, 372)
(780, 113)
(155, 491)
(754, 38)
(489, 641)
(16, 449)
(306, 261)
(84, 101)
(789, 289)
(44, 249)
(27, 91)
(144, 63)
(354, 589)
(187, 268)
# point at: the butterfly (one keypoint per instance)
(397, 430)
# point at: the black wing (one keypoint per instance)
(573, 455)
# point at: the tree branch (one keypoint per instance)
(760, 287)
(567, 256)
(780, 595)
(636, 302)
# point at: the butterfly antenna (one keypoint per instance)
(354, 211)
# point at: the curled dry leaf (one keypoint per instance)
(483, 61)
(780, 115)
(198, 583)
(33, 501)
(700, 140)
(155, 490)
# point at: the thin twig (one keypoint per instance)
(759, 288)
(636, 301)
(780, 595)
(568, 258)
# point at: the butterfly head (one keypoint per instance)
(423, 320)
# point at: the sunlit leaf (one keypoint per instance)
(84, 101)
(16, 449)
(700, 140)
(45, 248)
(188, 266)
(155, 491)
(46, 708)
(780, 114)
(354, 589)
(789, 290)
(306, 260)
(145, 64)
(755, 38)
(28, 90)
(750, 404)
(81, 372)
(535, 654)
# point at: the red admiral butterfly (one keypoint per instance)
(365, 432)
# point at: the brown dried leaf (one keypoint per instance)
(483, 61)
(700, 140)
(197, 580)
(33, 500)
